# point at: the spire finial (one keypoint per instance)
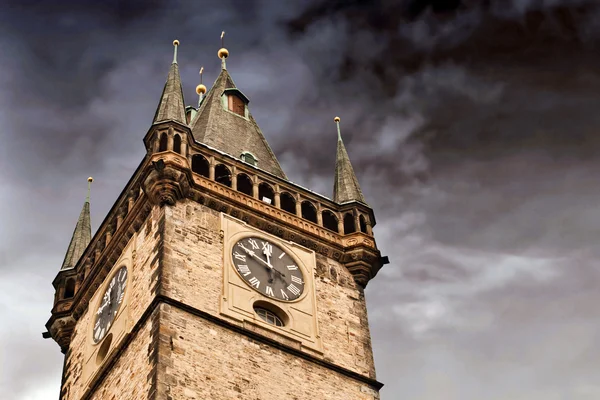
(337, 122)
(200, 89)
(90, 180)
(175, 44)
(223, 52)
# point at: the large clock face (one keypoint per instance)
(268, 269)
(110, 304)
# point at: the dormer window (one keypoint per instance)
(236, 102)
(249, 158)
(236, 105)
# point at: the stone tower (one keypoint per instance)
(215, 277)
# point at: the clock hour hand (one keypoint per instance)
(256, 257)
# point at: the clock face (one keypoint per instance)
(110, 304)
(268, 269)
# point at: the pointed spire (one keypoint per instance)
(171, 105)
(345, 186)
(81, 235)
(232, 131)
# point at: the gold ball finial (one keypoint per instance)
(175, 42)
(223, 53)
(200, 89)
(90, 179)
(337, 119)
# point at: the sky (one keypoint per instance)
(472, 127)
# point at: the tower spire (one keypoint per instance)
(81, 235)
(224, 122)
(171, 105)
(345, 186)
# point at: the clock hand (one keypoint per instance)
(255, 256)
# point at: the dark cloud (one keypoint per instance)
(471, 124)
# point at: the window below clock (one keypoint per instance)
(268, 316)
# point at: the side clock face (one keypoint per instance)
(110, 304)
(268, 269)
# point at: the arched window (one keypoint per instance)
(244, 184)
(69, 289)
(363, 224)
(268, 316)
(223, 175)
(287, 203)
(177, 144)
(309, 211)
(200, 165)
(349, 225)
(330, 221)
(249, 158)
(162, 146)
(266, 193)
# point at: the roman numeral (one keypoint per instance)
(292, 267)
(292, 288)
(244, 270)
(254, 282)
(239, 256)
(253, 243)
(268, 247)
(284, 295)
(269, 291)
(297, 280)
(281, 256)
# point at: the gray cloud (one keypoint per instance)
(472, 130)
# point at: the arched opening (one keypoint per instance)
(69, 289)
(330, 221)
(363, 224)
(177, 144)
(270, 313)
(287, 203)
(309, 211)
(244, 184)
(266, 193)
(101, 355)
(223, 175)
(200, 165)
(162, 146)
(349, 225)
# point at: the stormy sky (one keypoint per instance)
(472, 126)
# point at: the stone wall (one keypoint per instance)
(193, 267)
(143, 250)
(203, 360)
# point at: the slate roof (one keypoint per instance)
(345, 185)
(80, 239)
(171, 105)
(231, 133)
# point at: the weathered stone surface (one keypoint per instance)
(208, 361)
(131, 367)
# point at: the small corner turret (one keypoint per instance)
(362, 261)
(68, 280)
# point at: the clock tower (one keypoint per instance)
(215, 277)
